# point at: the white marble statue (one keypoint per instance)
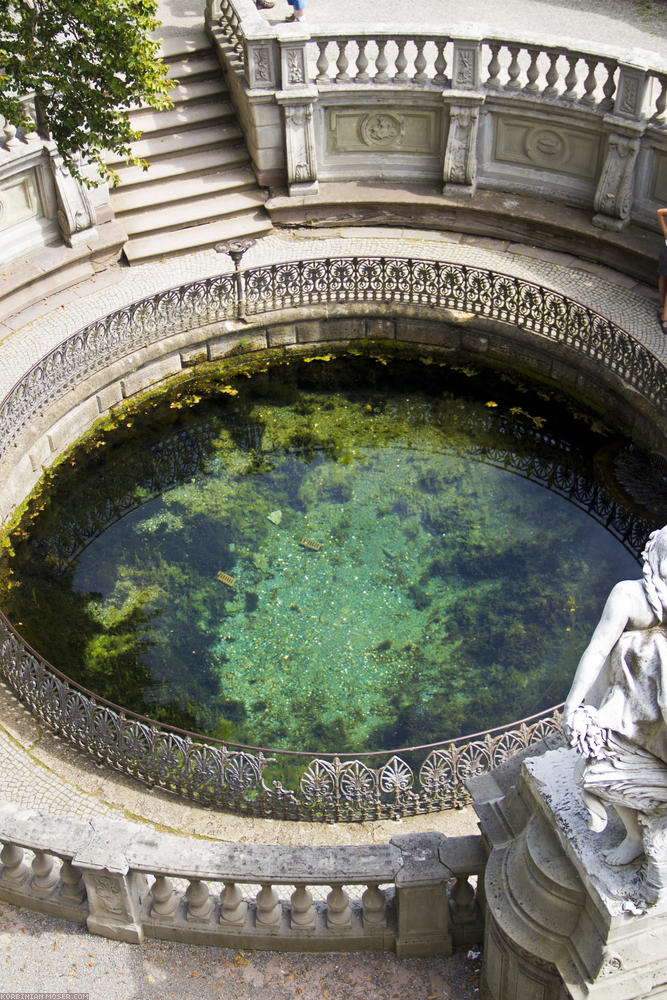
(616, 711)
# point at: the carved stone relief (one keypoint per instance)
(295, 67)
(465, 68)
(108, 889)
(262, 71)
(300, 144)
(355, 130)
(556, 148)
(460, 164)
(630, 93)
(613, 196)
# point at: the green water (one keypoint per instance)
(439, 592)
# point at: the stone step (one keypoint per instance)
(197, 64)
(195, 185)
(191, 212)
(146, 248)
(200, 90)
(185, 115)
(192, 160)
(183, 46)
(182, 139)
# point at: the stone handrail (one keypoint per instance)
(411, 895)
(245, 779)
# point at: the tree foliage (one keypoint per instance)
(87, 62)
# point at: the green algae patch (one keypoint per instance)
(323, 552)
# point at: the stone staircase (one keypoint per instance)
(200, 188)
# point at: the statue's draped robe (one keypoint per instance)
(633, 711)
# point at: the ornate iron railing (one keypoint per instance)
(329, 787)
(385, 281)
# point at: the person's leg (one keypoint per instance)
(662, 284)
(298, 10)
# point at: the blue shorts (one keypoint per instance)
(298, 4)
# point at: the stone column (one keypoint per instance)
(297, 99)
(613, 196)
(261, 62)
(114, 892)
(421, 897)
(625, 127)
(300, 140)
(460, 163)
(463, 102)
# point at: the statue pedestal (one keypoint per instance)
(561, 923)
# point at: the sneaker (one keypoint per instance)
(264, 4)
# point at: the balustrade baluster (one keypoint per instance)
(362, 62)
(303, 912)
(570, 92)
(609, 87)
(420, 63)
(322, 62)
(373, 903)
(10, 136)
(590, 83)
(381, 63)
(661, 102)
(342, 61)
(440, 65)
(339, 914)
(15, 871)
(533, 72)
(45, 875)
(269, 910)
(233, 907)
(199, 902)
(551, 90)
(73, 888)
(401, 61)
(164, 900)
(514, 68)
(493, 82)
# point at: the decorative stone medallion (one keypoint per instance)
(382, 129)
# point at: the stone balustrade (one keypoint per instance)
(415, 895)
(514, 114)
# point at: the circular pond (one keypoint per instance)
(327, 554)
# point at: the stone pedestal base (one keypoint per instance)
(561, 922)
